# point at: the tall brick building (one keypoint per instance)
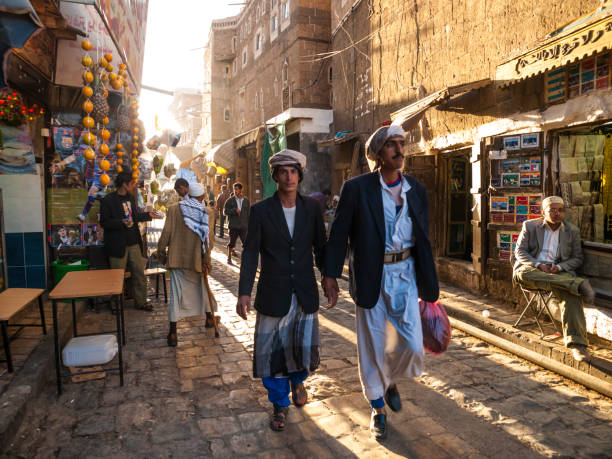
(262, 70)
(503, 103)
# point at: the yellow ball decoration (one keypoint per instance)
(89, 138)
(88, 122)
(87, 106)
(86, 45)
(109, 67)
(134, 160)
(89, 154)
(135, 130)
(87, 77)
(135, 174)
(104, 165)
(122, 66)
(103, 77)
(119, 169)
(104, 179)
(105, 134)
(135, 144)
(119, 146)
(112, 76)
(105, 121)
(135, 137)
(87, 91)
(86, 61)
(104, 149)
(134, 152)
(119, 161)
(102, 62)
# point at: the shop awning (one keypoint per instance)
(247, 138)
(223, 155)
(588, 35)
(410, 115)
(337, 140)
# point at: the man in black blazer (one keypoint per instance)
(384, 217)
(119, 216)
(284, 230)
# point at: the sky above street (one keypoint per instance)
(177, 32)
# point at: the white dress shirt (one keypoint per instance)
(550, 248)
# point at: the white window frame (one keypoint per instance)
(245, 57)
(285, 10)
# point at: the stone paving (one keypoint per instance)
(199, 399)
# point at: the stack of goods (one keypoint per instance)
(581, 159)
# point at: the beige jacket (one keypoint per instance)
(179, 247)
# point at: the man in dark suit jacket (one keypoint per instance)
(284, 230)
(237, 208)
(119, 216)
(384, 216)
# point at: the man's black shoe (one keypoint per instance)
(378, 425)
(392, 398)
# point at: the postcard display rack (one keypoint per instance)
(515, 189)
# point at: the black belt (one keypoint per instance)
(396, 256)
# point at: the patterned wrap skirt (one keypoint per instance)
(286, 344)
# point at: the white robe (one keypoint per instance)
(389, 335)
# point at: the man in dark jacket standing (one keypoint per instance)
(284, 230)
(221, 199)
(237, 209)
(119, 216)
(385, 218)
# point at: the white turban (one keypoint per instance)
(380, 136)
(196, 189)
(288, 157)
(551, 200)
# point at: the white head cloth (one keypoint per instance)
(380, 136)
(551, 200)
(288, 157)
(196, 189)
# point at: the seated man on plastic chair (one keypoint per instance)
(548, 252)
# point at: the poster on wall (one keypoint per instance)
(506, 243)
(16, 151)
(64, 235)
(515, 209)
(92, 235)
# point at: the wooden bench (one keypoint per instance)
(12, 301)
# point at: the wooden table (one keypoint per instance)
(12, 301)
(88, 284)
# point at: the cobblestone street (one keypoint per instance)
(199, 399)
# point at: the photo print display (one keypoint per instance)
(531, 140)
(64, 234)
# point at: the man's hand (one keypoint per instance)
(545, 268)
(330, 290)
(155, 214)
(243, 307)
(237, 211)
(554, 269)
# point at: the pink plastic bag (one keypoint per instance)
(436, 327)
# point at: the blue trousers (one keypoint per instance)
(279, 388)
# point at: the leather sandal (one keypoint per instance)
(279, 418)
(378, 425)
(209, 322)
(299, 394)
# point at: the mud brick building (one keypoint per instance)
(503, 103)
(262, 71)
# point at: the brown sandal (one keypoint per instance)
(299, 394)
(279, 418)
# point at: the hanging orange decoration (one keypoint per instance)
(119, 161)
(104, 165)
(86, 61)
(134, 160)
(119, 153)
(105, 134)
(89, 138)
(104, 149)
(109, 67)
(112, 76)
(89, 154)
(87, 91)
(119, 146)
(102, 62)
(135, 174)
(105, 121)
(104, 179)
(87, 77)
(88, 122)
(87, 106)
(108, 57)
(119, 169)
(86, 45)
(122, 66)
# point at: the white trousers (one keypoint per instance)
(389, 335)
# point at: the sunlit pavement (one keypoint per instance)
(199, 399)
